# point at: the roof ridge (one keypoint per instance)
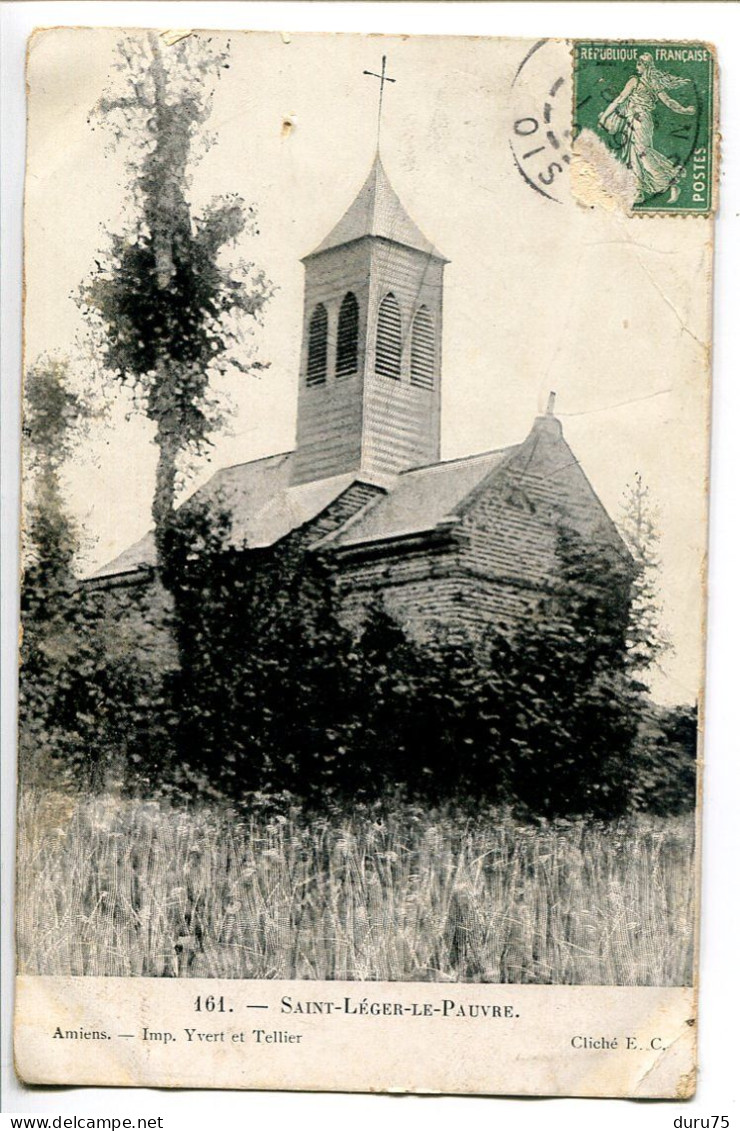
(461, 459)
(249, 462)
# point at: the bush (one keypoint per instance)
(665, 761)
(262, 687)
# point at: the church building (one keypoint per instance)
(458, 544)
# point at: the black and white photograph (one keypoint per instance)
(365, 452)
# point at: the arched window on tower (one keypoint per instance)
(347, 330)
(318, 333)
(388, 338)
(422, 349)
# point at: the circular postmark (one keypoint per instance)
(540, 129)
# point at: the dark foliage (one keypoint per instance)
(168, 311)
(666, 761)
(570, 706)
(87, 698)
(235, 675)
(263, 694)
(277, 694)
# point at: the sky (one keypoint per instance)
(609, 311)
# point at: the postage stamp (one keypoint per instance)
(652, 106)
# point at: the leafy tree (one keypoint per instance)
(427, 723)
(90, 700)
(665, 747)
(266, 690)
(665, 760)
(567, 706)
(277, 694)
(169, 312)
(53, 417)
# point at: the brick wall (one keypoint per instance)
(500, 558)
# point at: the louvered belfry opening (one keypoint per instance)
(347, 335)
(422, 350)
(318, 334)
(388, 341)
(373, 288)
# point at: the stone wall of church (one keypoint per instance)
(504, 553)
(504, 538)
(509, 530)
(136, 611)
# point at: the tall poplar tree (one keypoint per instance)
(172, 315)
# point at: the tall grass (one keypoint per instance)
(114, 887)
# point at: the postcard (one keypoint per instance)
(365, 450)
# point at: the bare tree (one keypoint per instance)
(647, 639)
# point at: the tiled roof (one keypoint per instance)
(377, 211)
(263, 505)
(420, 499)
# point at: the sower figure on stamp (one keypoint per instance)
(630, 119)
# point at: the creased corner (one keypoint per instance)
(672, 1073)
(686, 1087)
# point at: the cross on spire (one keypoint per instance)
(384, 78)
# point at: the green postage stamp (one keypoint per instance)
(652, 105)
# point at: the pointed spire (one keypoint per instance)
(377, 211)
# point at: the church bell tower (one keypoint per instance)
(369, 393)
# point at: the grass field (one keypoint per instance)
(114, 887)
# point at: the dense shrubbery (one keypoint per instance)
(85, 694)
(275, 694)
(263, 688)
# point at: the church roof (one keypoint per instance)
(265, 505)
(377, 211)
(262, 504)
(421, 499)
